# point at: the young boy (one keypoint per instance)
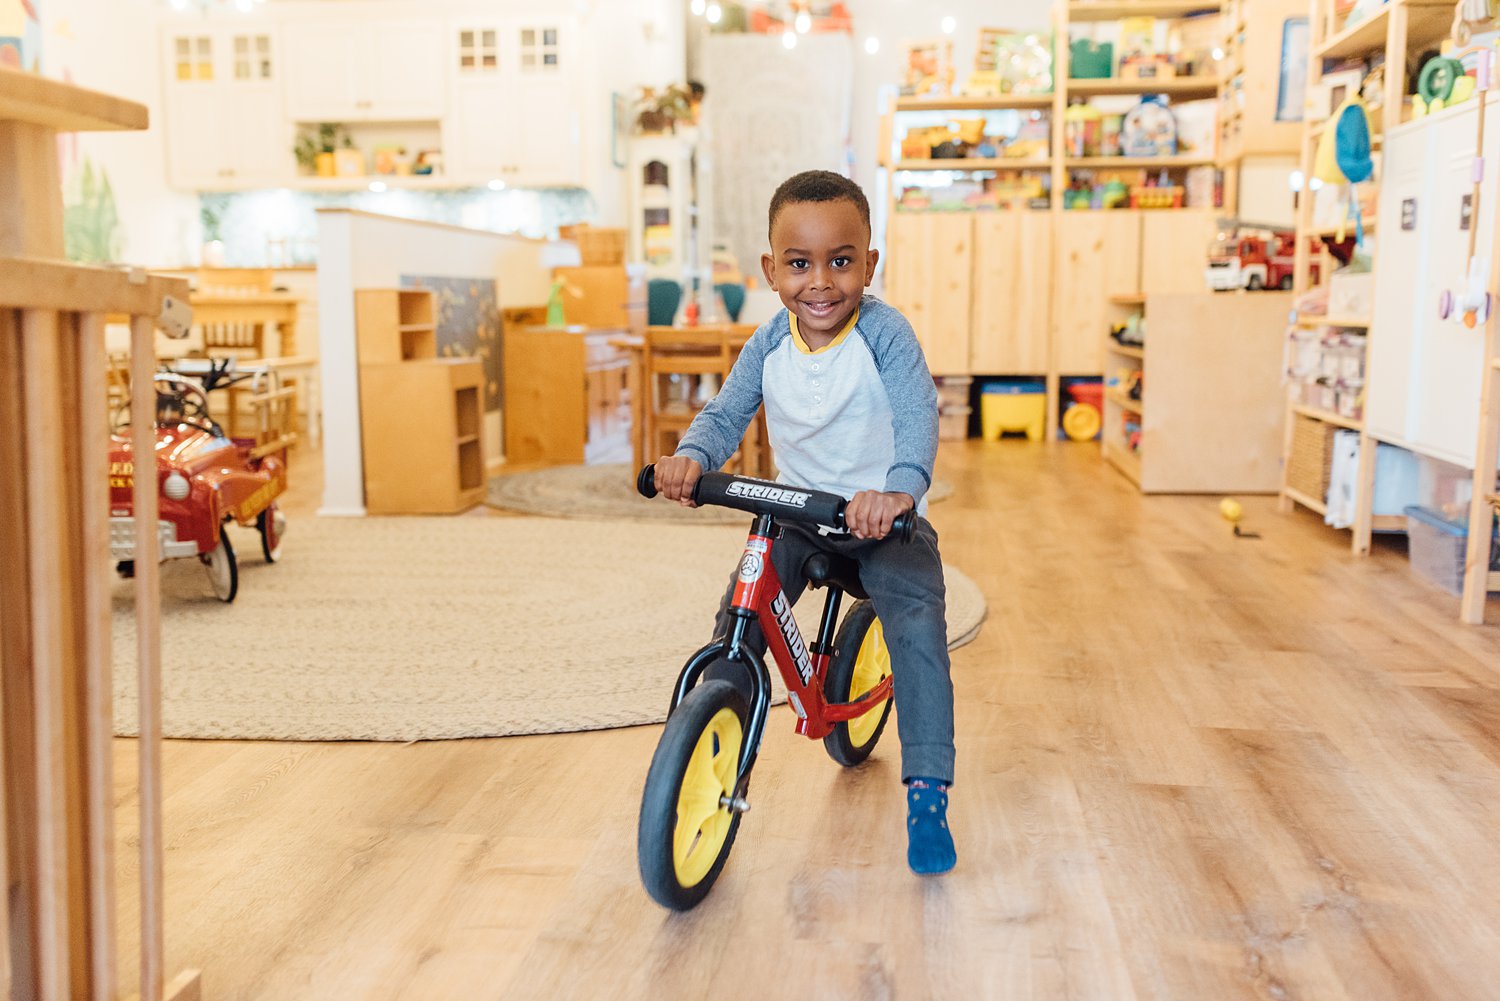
(851, 409)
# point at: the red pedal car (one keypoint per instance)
(204, 477)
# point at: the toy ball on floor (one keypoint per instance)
(1231, 510)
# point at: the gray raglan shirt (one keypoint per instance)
(857, 414)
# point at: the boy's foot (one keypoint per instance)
(929, 848)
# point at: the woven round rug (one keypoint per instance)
(608, 491)
(430, 628)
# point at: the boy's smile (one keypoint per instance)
(820, 264)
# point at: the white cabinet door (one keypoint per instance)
(381, 71)
(514, 116)
(1405, 208)
(224, 122)
(323, 71)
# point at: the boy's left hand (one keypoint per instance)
(870, 512)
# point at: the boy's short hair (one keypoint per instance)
(817, 186)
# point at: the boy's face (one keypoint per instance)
(820, 263)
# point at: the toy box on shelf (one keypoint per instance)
(1016, 406)
(1438, 545)
(953, 406)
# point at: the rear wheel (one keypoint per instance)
(860, 662)
(271, 523)
(223, 571)
(686, 826)
(1256, 283)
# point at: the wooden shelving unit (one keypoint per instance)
(1398, 30)
(1209, 381)
(1029, 303)
(1478, 579)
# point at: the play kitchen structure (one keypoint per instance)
(1404, 415)
(61, 794)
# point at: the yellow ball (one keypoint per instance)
(1230, 509)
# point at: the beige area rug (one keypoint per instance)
(430, 628)
(608, 491)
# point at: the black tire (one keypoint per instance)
(223, 569)
(1285, 283)
(1255, 284)
(271, 524)
(656, 848)
(850, 749)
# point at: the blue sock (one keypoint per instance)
(929, 842)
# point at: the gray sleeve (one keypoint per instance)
(912, 393)
(719, 427)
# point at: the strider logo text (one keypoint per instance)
(768, 492)
(782, 609)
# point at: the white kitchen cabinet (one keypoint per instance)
(1425, 372)
(371, 71)
(514, 115)
(225, 126)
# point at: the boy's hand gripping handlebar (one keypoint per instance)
(745, 493)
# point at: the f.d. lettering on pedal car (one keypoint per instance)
(782, 609)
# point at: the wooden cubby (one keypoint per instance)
(422, 416)
(395, 325)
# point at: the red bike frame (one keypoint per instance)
(758, 591)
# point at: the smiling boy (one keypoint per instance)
(850, 409)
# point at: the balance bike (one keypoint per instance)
(840, 688)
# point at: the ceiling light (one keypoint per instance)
(949, 24)
(789, 39)
(872, 45)
(698, 7)
(803, 22)
(714, 13)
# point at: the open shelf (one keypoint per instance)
(1128, 300)
(1124, 460)
(1081, 10)
(1185, 88)
(1306, 501)
(1122, 400)
(1427, 24)
(1128, 352)
(1148, 162)
(1328, 417)
(1333, 321)
(1007, 102)
(973, 163)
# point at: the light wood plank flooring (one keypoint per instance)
(1190, 767)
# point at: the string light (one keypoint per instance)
(789, 39)
(715, 12)
(803, 22)
(872, 45)
(949, 25)
(698, 7)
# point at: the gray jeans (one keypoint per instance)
(905, 582)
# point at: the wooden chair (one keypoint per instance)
(242, 339)
(690, 355)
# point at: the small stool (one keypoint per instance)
(1013, 407)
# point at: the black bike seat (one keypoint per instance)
(823, 569)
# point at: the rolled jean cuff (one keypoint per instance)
(930, 761)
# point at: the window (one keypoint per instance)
(193, 58)
(539, 50)
(478, 50)
(252, 57)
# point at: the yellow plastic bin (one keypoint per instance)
(1014, 407)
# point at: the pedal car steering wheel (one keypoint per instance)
(179, 400)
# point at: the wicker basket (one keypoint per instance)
(596, 245)
(1311, 457)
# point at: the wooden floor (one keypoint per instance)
(1190, 767)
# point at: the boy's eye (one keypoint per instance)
(799, 264)
(842, 262)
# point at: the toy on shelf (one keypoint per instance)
(1023, 60)
(1471, 304)
(1256, 258)
(1149, 129)
(1082, 127)
(1156, 196)
(929, 69)
(1091, 60)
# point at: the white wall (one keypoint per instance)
(359, 250)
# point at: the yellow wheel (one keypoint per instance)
(686, 826)
(860, 661)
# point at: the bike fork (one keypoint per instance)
(733, 648)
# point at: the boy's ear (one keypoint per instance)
(872, 257)
(768, 266)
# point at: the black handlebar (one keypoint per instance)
(745, 493)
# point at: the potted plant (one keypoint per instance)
(658, 112)
(315, 150)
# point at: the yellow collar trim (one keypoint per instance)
(802, 345)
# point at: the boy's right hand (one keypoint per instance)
(676, 475)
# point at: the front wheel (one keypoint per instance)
(687, 827)
(860, 662)
(223, 571)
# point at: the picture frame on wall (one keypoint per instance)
(929, 68)
(1291, 88)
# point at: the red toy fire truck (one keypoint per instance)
(1256, 259)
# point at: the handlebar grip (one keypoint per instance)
(645, 481)
(904, 526)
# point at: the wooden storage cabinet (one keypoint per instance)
(372, 71)
(421, 416)
(566, 396)
(931, 282)
(1212, 407)
(1098, 256)
(1011, 293)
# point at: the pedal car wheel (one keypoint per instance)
(860, 661)
(686, 828)
(271, 524)
(223, 571)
